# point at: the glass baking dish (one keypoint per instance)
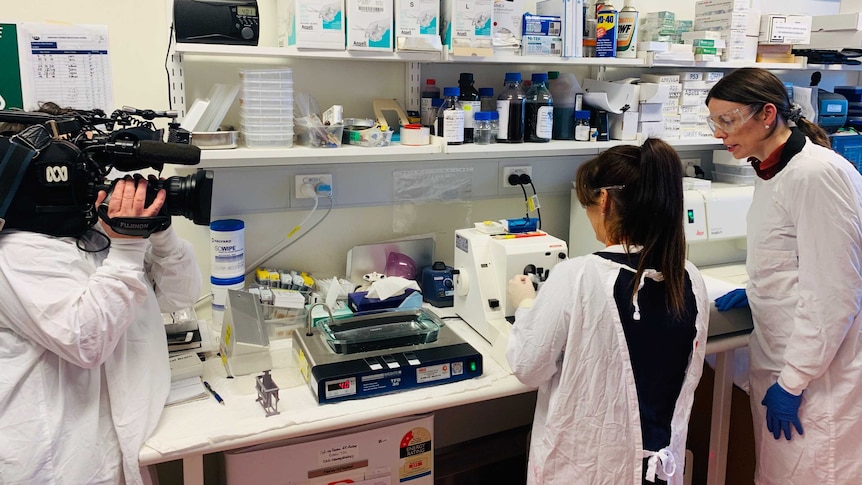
(382, 330)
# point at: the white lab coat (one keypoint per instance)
(805, 291)
(571, 344)
(83, 353)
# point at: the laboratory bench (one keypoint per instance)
(188, 431)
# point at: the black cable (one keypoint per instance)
(527, 212)
(167, 70)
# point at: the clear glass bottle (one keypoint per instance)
(538, 111)
(482, 128)
(495, 125)
(470, 103)
(510, 107)
(450, 117)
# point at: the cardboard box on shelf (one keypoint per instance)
(785, 29)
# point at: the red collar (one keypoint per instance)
(780, 157)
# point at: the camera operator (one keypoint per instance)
(83, 347)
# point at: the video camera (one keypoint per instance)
(52, 170)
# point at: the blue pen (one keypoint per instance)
(215, 394)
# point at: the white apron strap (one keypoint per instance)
(663, 457)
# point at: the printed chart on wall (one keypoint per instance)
(65, 64)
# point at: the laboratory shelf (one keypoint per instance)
(242, 52)
(549, 60)
(297, 155)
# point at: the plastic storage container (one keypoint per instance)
(266, 107)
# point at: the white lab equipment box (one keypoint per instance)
(395, 451)
(417, 25)
(311, 24)
(369, 25)
(467, 27)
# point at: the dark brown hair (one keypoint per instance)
(753, 85)
(46, 107)
(647, 211)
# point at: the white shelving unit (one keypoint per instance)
(437, 151)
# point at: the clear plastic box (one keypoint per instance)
(730, 178)
(285, 102)
(266, 127)
(267, 93)
(266, 74)
(267, 111)
(268, 140)
(267, 120)
(250, 85)
(281, 321)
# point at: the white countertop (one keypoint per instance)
(204, 426)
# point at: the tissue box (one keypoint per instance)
(359, 302)
(369, 25)
(313, 24)
(466, 27)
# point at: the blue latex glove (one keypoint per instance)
(782, 410)
(732, 299)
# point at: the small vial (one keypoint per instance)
(582, 125)
(482, 128)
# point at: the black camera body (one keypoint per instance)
(50, 184)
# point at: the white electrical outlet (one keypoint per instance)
(313, 179)
(525, 169)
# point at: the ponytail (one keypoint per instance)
(814, 132)
(647, 211)
(655, 215)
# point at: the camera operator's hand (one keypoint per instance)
(128, 199)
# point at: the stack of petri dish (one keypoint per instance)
(266, 101)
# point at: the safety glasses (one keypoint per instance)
(732, 120)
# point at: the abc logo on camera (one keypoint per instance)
(54, 174)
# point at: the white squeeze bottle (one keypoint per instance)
(627, 31)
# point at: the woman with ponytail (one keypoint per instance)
(804, 264)
(615, 340)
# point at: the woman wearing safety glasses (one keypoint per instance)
(805, 284)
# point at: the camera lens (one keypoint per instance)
(190, 196)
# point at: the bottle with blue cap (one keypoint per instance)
(510, 108)
(450, 117)
(539, 111)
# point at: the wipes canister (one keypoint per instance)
(228, 248)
